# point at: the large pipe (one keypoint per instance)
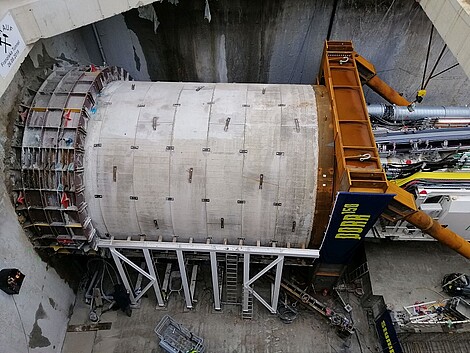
(394, 112)
(444, 235)
(98, 42)
(386, 92)
(368, 75)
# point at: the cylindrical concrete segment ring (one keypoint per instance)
(198, 160)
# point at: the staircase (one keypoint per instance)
(358, 272)
(232, 286)
(248, 315)
(231, 279)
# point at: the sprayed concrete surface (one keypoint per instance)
(35, 320)
(223, 332)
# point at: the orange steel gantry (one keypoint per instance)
(357, 163)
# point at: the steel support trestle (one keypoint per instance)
(147, 247)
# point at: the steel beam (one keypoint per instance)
(166, 279)
(130, 263)
(277, 283)
(266, 269)
(261, 300)
(358, 167)
(199, 247)
(215, 280)
(192, 286)
(184, 279)
(124, 279)
(151, 275)
(246, 278)
(156, 286)
(138, 283)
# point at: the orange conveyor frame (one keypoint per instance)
(357, 162)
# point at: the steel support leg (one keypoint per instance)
(124, 279)
(280, 259)
(192, 286)
(277, 283)
(279, 262)
(156, 285)
(138, 269)
(246, 279)
(215, 280)
(184, 279)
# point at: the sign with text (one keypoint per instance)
(11, 44)
(387, 333)
(354, 213)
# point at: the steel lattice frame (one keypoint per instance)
(147, 247)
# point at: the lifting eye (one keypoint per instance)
(190, 176)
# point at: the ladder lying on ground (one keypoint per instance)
(338, 320)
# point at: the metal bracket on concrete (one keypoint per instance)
(212, 249)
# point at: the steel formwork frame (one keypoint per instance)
(147, 246)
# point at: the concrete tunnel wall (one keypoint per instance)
(246, 41)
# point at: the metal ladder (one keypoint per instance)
(248, 315)
(358, 272)
(231, 279)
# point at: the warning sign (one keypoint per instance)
(11, 44)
